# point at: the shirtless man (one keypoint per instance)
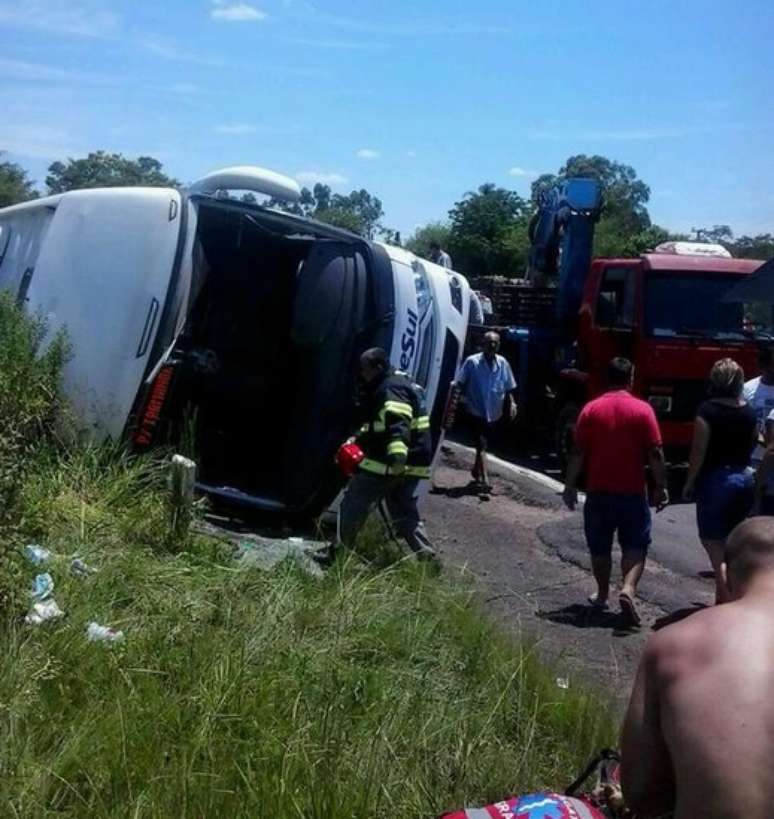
(698, 738)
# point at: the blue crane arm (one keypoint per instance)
(562, 239)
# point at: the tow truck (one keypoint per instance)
(665, 310)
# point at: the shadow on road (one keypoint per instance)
(581, 616)
(472, 490)
(677, 616)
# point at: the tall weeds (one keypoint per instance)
(376, 691)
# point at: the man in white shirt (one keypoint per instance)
(440, 257)
(487, 384)
(759, 394)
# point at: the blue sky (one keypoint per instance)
(417, 102)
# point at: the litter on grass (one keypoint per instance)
(42, 587)
(42, 611)
(252, 550)
(36, 555)
(266, 553)
(95, 633)
(81, 569)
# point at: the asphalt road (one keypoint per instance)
(672, 581)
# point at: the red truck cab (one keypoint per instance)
(665, 312)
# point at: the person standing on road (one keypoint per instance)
(719, 474)
(616, 437)
(759, 394)
(395, 439)
(487, 385)
(439, 256)
(697, 737)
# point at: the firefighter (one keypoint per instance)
(395, 440)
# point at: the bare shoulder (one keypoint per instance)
(685, 639)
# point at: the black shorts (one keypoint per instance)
(480, 432)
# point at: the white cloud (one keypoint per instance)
(168, 50)
(40, 142)
(39, 72)
(411, 154)
(235, 129)
(338, 45)
(367, 153)
(521, 172)
(236, 12)
(313, 177)
(83, 18)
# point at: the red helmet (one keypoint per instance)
(348, 457)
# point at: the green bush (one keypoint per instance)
(29, 408)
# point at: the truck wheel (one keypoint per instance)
(565, 433)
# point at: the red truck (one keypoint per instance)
(666, 311)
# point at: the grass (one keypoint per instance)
(378, 691)
(368, 693)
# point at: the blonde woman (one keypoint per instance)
(719, 474)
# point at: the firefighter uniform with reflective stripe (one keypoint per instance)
(397, 444)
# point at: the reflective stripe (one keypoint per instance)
(421, 423)
(396, 408)
(418, 471)
(377, 468)
(397, 448)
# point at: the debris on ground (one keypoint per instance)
(42, 587)
(42, 611)
(81, 569)
(264, 552)
(95, 633)
(36, 555)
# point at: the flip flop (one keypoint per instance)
(629, 609)
(596, 603)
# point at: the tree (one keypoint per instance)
(391, 237)
(423, 237)
(359, 212)
(625, 196)
(754, 247)
(718, 234)
(745, 247)
(14, 185)
(103, 170)
(483, 226)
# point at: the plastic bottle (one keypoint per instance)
(42, 587)
(36, 554)
(95, 633)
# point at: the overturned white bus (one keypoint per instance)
(183, 306)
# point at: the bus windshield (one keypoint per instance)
(690, 305)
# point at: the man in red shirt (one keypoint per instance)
(616, 437)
